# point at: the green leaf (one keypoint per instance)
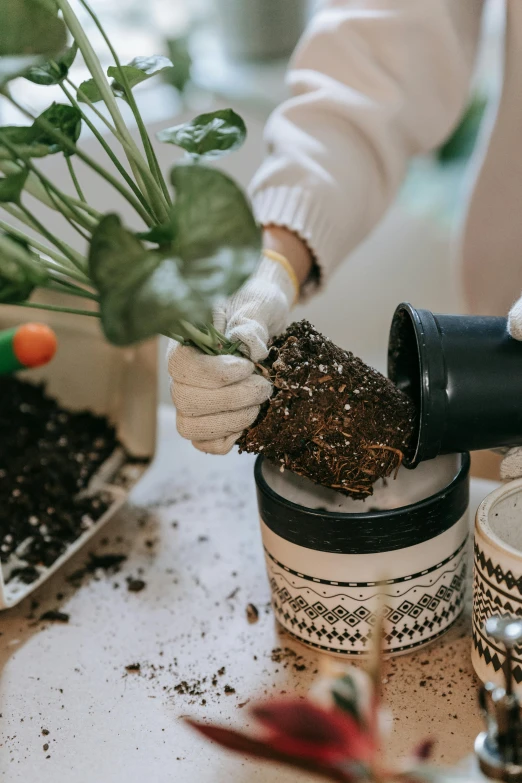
(213, 245)
(23, 138)
(161, 235)
(53, 71)
(142, 293)
(88, 90)
(113, 252)
(11, 187)
(30, 27)
(33, 141)
(152, 304)
(138, 70)
(179, 76)
(64, 118)
(210, 135)
(462, 141)
(217, 237)
(346, 696)
(20, 271)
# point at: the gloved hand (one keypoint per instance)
(511, 467)
(217, 397)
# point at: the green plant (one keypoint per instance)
(460, 145)
(188, 248)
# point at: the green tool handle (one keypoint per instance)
(8, 360)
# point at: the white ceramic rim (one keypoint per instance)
(482, 526)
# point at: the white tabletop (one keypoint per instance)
(203, 567)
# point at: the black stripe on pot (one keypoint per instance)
(351, 653)
(401, 579)
(367, 533)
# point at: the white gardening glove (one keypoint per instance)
(217, 397)
(511, 467)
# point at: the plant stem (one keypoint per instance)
(64, 287)
(70, 146)
(128, 151)
(158, 202)
(209, 341)
(66, 206)
(81, 205)
(63, 262)
(130, 182)
(75, 179)
(93, 108)
(72, 205)
(97, 73)
(52, 266)
(27, 165)
(55, 309)
(47, 234)
(75, 258)
(147, 145)
(35, 188)
(76, 220)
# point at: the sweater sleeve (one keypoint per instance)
(373, 82)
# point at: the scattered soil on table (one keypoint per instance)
(135, 585)
(133, 668)
(55, 616)
(47, 456)
(331, 418)
(109, 563)
(252, 613)
(288, 657)
(194, 688)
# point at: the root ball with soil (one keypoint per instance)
(331, 418)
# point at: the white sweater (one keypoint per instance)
(375, 82)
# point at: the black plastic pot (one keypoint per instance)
(464, 373)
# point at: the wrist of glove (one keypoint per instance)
(217, 397)
(260, 309)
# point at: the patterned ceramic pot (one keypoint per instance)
(328, 557)
(497, 578)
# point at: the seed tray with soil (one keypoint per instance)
(55, 469)
(331, 418)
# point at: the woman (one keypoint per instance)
(374, 82)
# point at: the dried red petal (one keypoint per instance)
(241, 743)
(304, 729)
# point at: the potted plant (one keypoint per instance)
(191, 241)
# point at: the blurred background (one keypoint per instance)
(235, 53)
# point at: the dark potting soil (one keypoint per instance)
(110, 563)
(331, 418)
(55, 616)
(47, 456)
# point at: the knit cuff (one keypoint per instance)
(295, 209)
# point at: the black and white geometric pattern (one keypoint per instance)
(495, 592)
(338, 618)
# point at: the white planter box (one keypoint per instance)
(87, 372)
